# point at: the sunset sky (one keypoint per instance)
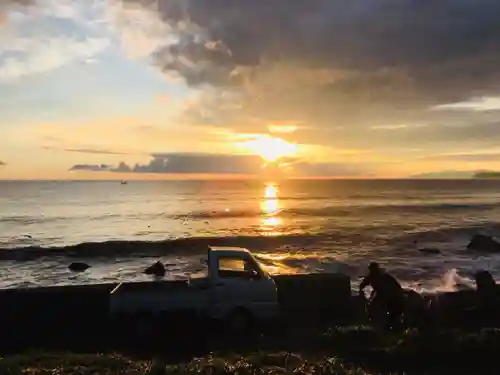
(93, 89)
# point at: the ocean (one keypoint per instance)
(292, 226)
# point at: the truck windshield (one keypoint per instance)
(236, 267)
(229, 264)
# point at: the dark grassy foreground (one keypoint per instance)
(354, 350)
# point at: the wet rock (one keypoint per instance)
(78, 266)
(157, 269)
(484, 281)
(430, 250)
(483, 243)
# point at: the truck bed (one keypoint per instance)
(151, 286)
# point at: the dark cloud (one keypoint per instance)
(91, 167)
(196, 163)
(185, 163)
(97, 151)
(331, 62)
(204, 163)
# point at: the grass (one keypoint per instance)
(412, 350)
(68, 363)
(349, 350)
(113, 364)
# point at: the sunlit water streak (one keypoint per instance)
(270, 207)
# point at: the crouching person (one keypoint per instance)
(487, 300)
(387, 301)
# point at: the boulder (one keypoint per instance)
(157, 269)
(78, 267)
(483, 243)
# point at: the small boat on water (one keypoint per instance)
(124, 182)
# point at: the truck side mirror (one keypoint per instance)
(254, 275)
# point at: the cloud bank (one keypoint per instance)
(206, 163)
(329, 63)
(184, 163)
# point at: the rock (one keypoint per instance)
(483, 243)
(78, 267)
(484, 281)
(157, 269)
(430, 250)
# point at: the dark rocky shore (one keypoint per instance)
(327, 335)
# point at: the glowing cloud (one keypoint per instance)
(282, 128)
(269, 148)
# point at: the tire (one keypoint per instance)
(119, 325)
(142, 326)
(239, 320)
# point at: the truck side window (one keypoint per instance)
(237, 268)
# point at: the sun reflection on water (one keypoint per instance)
(270, 207)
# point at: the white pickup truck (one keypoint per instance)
(234, 289)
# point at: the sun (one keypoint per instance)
(270, 148)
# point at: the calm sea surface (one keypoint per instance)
(293, 226)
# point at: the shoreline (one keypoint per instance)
(424, 269)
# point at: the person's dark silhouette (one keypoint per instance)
(488, 302)
(387, 295)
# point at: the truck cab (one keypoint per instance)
(234, 287)
(240, 283)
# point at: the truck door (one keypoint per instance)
(240, 284)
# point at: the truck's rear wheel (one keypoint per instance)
(239, 320)
(142, 326)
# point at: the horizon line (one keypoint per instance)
(409, 178)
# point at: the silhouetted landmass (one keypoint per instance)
(457, 175)
(444, 175)
(487, 175)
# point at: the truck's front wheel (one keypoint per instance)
(143, 326)
(239, 320)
